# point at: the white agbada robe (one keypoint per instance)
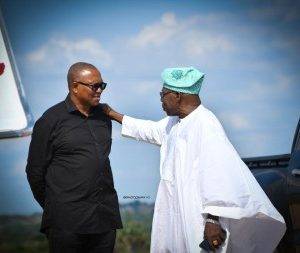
(202, 173)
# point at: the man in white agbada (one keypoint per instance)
(204, 185)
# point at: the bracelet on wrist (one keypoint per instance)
(212, 221)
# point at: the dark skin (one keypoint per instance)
(214, 232)
(83, 97)
(181, 105)
(178, 104)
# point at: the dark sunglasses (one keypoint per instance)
(94, 87)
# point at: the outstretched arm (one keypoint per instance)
(144, 130)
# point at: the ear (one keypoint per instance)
(75, 88)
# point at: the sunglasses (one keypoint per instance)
(94, 87)
(163, 93)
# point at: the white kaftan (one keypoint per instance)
(202, 173)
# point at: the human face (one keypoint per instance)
(84, 90)
(170, 101)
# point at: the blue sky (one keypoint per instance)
(249, 51)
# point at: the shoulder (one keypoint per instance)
(51, 115)
(166, 120)
(101, 115)
(167, 123)
(206, 116)
(210, 123)
(53, 110)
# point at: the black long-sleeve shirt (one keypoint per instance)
(69, 172)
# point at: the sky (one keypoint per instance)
(248, 50)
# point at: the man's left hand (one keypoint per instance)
(214, 234)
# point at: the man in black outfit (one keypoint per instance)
(69, 172)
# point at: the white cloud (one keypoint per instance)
(189, 36)
(146, 87)
(253, 143)
(38, 56)
(260, 90)
(58, 50)
(157, 33)
(235, 120)
(199, 43)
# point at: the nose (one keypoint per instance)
(99, 91)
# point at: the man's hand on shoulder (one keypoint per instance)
(111, 113)
(106, 109)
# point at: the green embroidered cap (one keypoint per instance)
(186, 79)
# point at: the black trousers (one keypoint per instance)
(65, 242)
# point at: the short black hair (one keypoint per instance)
(75, 69)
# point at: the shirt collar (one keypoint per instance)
(72, 108)
(70, 105)
(191, 115)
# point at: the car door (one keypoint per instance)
(294, 190)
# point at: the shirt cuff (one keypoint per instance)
(128, 126)
(227, 212)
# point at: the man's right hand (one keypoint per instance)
(106, 109)
(214, 234)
